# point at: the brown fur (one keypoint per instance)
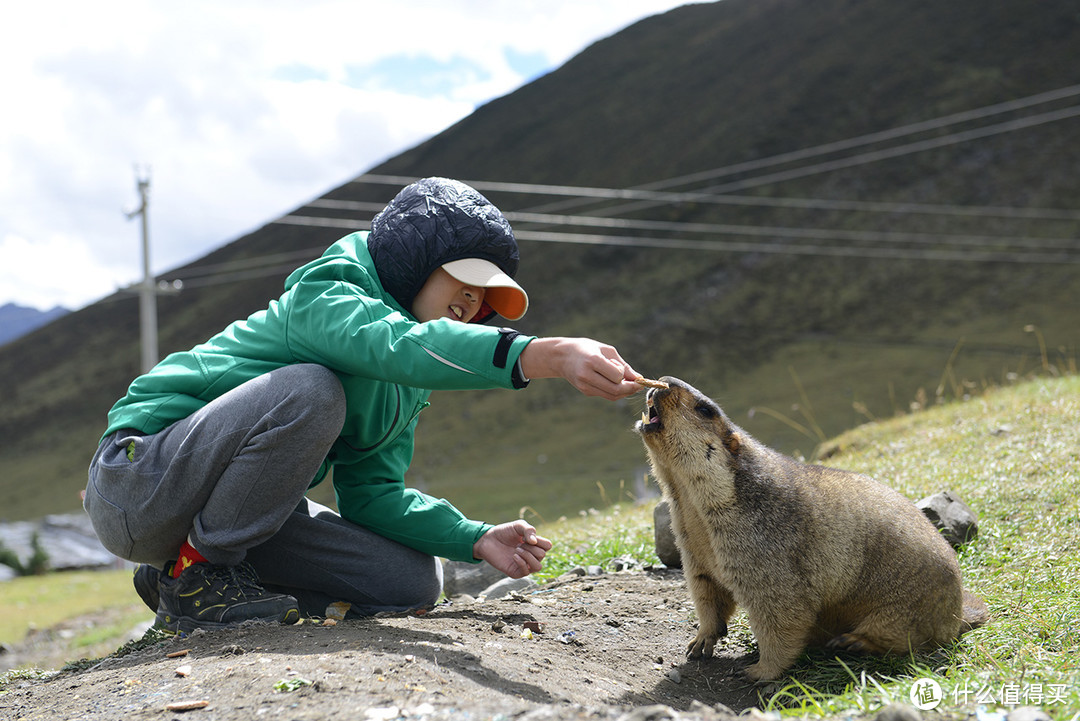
(815, 555)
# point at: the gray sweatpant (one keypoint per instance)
(231, 478)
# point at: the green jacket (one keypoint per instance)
(335, 313)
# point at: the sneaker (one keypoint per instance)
(209, 596)
(146, 579)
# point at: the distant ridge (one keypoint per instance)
(17, 320)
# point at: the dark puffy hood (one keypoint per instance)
(431, 222)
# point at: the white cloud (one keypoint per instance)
(65, 272)
(242, 110)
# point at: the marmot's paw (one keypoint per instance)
(855, 644)
(701, 647)
(759, 674)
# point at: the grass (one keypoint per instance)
(622, 533)
(1013, 454)
(74, 614)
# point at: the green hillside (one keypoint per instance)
(802, 318)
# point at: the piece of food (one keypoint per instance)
(650, 383)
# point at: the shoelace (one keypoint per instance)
(242, 579)
(247, 578)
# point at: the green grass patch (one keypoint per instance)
(40, 602)
(622, 532)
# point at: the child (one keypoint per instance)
(201, 473)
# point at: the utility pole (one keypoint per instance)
(148, 288)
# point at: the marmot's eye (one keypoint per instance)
(705, 411)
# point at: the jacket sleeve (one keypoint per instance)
(335, 324)
(370, 493)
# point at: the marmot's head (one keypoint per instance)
(686, 432)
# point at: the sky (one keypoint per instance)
(237, 111)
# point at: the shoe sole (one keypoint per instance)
(186, 624)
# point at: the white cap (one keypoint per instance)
(506, 297)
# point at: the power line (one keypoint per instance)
(987, 111)
(887, 236)
(906, 149)
(847, 143)
(872, 156)
(233, 276)
(870, 138)
(800, 249)
(647, 196)
(739, 229)
(1020, 256)
(246, 263)
(668, 197)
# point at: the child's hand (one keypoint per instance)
(513, 548)
(594, 368)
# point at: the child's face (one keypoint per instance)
(444, 296)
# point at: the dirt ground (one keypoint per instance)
(592, 647)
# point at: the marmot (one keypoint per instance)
(816, 555)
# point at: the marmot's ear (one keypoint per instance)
(732, 442)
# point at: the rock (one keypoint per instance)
(656, 712)
(898, 712)
(956, 521)
(594, 571)
(716, 712)
(575, 572)
(507, 586)
(68, 541)
(755, 714)
(463, 578)
(666, 550)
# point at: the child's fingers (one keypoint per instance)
(527, 561)
(523, 529)
(537, 552)
(541, 542)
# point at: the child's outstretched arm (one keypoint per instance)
(513, 548)
(594, 368)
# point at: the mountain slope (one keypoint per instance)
(790, 313)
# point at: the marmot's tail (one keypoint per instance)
(975, 612)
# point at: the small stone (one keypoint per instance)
(950, 515)
(673, 675)
(507, 586)
(337, 610)
(187, 705)
(898, 712)
(656, 712)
